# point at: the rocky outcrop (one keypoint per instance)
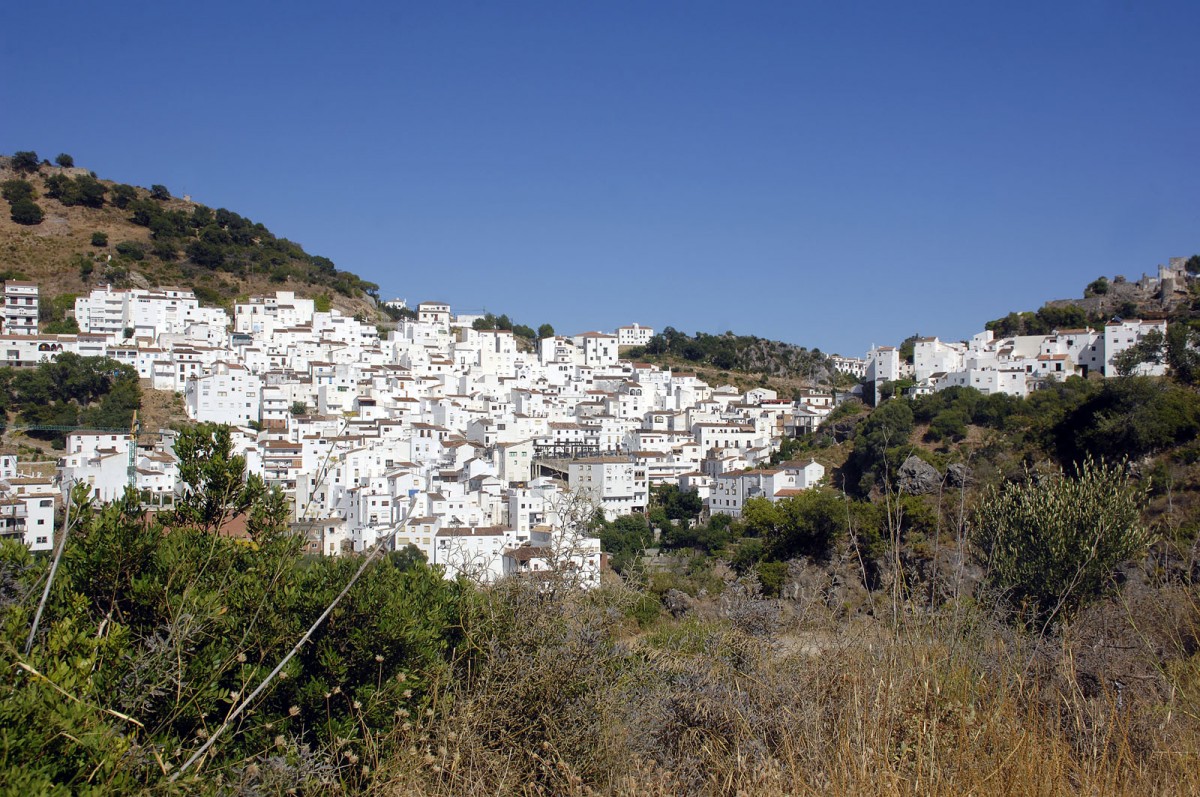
(958, 474)
(918, 477)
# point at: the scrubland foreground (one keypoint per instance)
(416, 685)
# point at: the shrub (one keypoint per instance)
(123, 194)
(1127, 417)
(771, 576)
(132, 250)
(25, 162)
(1053, 542)
(99, 239)
(64, 160)
(16, 190)
(165, 251)
(26, 211)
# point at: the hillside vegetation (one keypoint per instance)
(974, 678)
(743, 353)
(83, 230)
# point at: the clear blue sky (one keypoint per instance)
(831, 174)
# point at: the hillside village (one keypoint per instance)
(451, 438)
(1017, 365)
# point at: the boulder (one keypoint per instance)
(958, 474)
(678, 603)
(918, 477)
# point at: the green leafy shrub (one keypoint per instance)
(1052, 543)
(132, 250)
(16, 190)
(27, 212)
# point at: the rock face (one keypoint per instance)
(958, 474)
(678, 603)
(918, 477)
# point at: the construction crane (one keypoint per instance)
(135, 427)
(132, 434)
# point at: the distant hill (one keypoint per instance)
(70, 231)
(746, 354)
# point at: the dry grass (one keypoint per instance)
(561, 700)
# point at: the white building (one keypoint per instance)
(142, 313)
(265, 314)
(634, 335)
(98, 459)
(855, 366)
(435, 313)
(473, 552)
(931, 356)
(617, 485)
(28, 518)
(1120, 336)
(20, 308)
(228, 393)
(598, 349)
(730, 491)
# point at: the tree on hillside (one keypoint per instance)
(206, 254)
(1183, 353)
(805, 525)
(25, 162)
(123, 194)
(89, 191)
(625, 538)
(165, 251)
(159, 192)
(83, 190)
(64, 160)
(880, 442)
(1127, 417)
(545, 331)
(16, 190)
(26, 211)
(132, 250)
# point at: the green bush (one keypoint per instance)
(26, 211)
(1053, 543)
(132, 250)
(645, 609)
(771, 576)
(99, 239)
(156, 628)
(1127, 417)
(16, 190)
(25, 162)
